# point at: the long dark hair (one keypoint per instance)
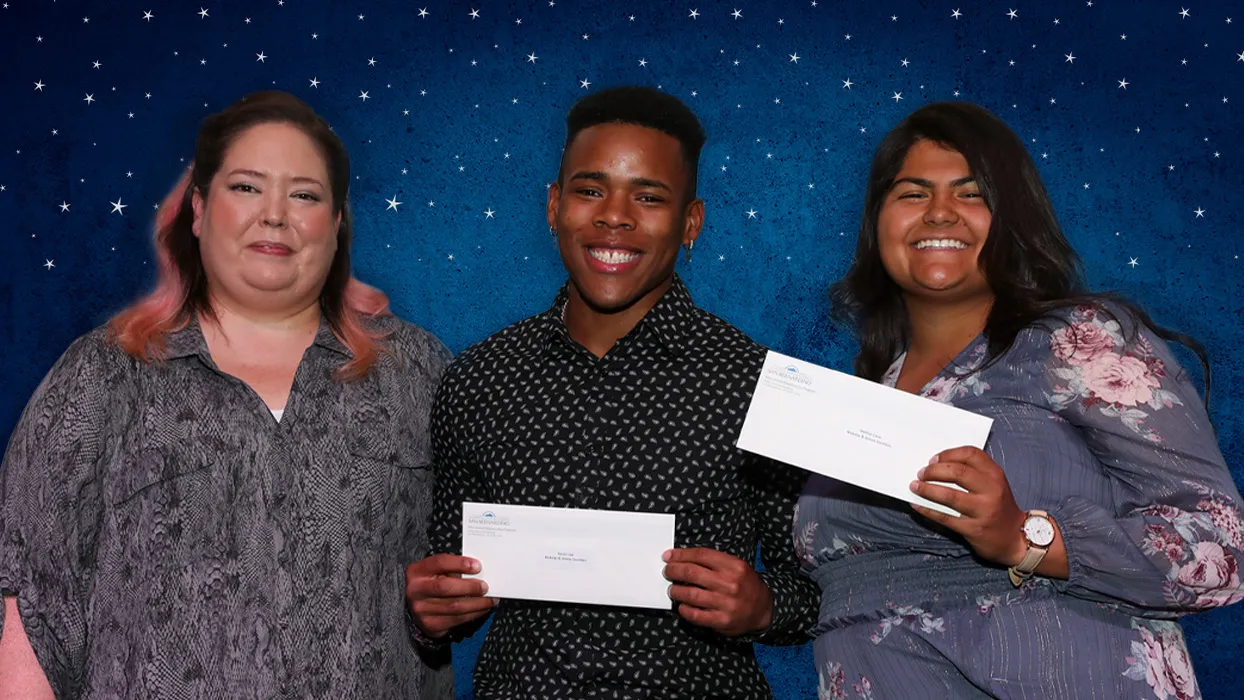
(1029, 265)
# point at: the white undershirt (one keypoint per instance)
(277, 413)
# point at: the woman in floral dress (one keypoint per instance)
(1101, 509)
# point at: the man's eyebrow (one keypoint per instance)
(598, 176)
(649, 182)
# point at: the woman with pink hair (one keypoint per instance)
(216, 494)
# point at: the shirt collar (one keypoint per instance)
(666, 325)
(188, 341)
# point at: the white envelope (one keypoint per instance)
(851, 429)
(569, 555)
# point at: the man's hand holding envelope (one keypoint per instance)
(582, 556)
(440, 599)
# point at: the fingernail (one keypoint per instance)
(914, 486)
(934, 458)
(920, 474)
(666, 556)
(484, 585)
(475, 567)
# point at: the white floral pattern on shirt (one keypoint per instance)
(1160, 658)
(1102, 371)
(910, 615)
(833, 684)
(962, 381)
(1200, 545)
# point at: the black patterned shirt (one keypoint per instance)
(531, 417)
(166, 537)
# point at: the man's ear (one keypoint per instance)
(695, 221)
(555, 200)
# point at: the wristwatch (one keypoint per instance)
(1038, 532)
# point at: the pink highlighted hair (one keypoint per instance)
(347, 304)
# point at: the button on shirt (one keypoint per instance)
(531, 417)
(166, 537)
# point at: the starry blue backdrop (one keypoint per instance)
(453, 113)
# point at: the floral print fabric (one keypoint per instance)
(1095, 422)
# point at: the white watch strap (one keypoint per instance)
(1030, 562)
(1032, 558)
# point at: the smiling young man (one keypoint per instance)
(623, 396)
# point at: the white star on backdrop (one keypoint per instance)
(392, 203)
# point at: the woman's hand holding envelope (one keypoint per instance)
(718, 591)
(990, 520)
(440, 599)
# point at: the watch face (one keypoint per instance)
(1039, 531)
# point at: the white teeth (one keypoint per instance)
(941, 243)
(612, 256)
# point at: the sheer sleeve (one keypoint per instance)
(1173, 539)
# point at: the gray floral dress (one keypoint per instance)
(1095, 422)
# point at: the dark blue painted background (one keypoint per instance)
(460, 116)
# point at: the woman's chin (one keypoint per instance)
(271, 283)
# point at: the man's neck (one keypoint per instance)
(599, 331)
(940, 331)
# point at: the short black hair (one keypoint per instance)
(641, 106)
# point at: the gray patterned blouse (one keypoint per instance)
(166, 537)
